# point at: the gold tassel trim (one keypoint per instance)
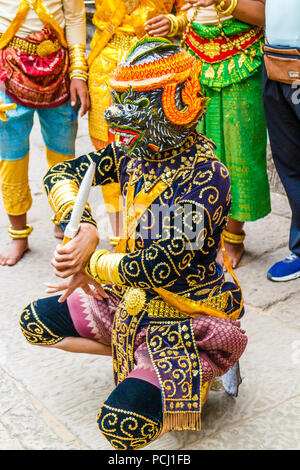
(181, 421)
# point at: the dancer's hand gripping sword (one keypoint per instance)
(79, 206)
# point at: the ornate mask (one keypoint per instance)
(157, 97)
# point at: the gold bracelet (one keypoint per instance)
(182, 22)
(78, 68)
(78, 74)
(17, 234)
(114, 268)
(104, 267)
(178, 25)
(78, 63)
(229, 10)
(62, 215)
(77, 47)
(78, 77)
(94, 261)
(62, 197)
(173, 28)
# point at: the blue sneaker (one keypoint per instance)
(285, 270)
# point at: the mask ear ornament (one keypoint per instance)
(195, 103)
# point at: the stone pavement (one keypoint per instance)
(49, 399)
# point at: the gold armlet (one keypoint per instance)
(233, 238)
(62, 198)
(17, 234)
(78, 62)
(104, 267)
(230, 9)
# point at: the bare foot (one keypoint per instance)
(234, 252)
(14, 252)
(58, 233)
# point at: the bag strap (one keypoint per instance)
(282, 51)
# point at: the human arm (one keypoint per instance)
(74, 11)
(248, 11)
(62, 181)
(173, 260)
(204, 208)
(192, 231)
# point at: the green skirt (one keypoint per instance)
(235, 121)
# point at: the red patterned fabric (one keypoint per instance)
(199, 45)
(220, 342)
(33, 81)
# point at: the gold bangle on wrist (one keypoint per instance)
(219, 7)
(104, 267)
(182, 22)
(62, 197)
(173, 28)
(17, 234)
(80, 75)
(94, 260)
(78, 62)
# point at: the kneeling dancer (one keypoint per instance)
(159, 304)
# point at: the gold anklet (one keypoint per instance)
(233, 238)
(24, 233)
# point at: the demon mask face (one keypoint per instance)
(157, 98)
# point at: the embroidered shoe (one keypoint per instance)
(285, 270)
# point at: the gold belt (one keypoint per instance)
(44, 49)
(135, 302)
(160, 309)
(122, 41)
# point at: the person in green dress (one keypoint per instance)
(227, 36)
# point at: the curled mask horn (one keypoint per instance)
(195, 103)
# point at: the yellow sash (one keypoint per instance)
(135, 208)
(44, 15)
(117, 13)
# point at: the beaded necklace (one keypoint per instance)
(188, 28)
